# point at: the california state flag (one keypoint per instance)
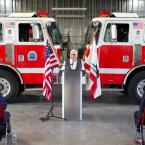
(92, 66)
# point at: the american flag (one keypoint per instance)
(51, 62)
(138, 25)
(92, 66)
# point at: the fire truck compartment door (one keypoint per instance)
(30, 55)
(116, 56)
(114, 62)
(9, 40)
(10, 53)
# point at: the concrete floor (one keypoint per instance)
(104, 122)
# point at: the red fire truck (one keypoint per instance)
(22, 50)
(120, 40)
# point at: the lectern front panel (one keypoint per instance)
(72, 95)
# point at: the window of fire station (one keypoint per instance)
(1, 33)
(122, 33)
(26, 33)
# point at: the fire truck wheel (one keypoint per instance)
(8, 85)
(137, 86)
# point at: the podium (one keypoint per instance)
(72, 95)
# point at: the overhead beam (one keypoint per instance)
(69, 9)
(70, 16)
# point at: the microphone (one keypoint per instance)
(65, 65)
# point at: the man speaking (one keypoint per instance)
(74, 63)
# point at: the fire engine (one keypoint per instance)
(22, 50)
(120, 42)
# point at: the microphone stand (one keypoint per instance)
(50, 112)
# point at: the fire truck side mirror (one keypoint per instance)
(36, 31)
(113, 32)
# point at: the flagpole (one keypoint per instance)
(91, 41)
(92, 66)
(50, 112)
(51, 43)
(51, 62)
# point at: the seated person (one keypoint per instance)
(137, 118)
(4, 115)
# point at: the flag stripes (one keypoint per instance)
(51, 62)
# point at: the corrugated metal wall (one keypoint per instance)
(73, 15)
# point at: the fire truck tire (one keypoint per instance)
(136, 87)
(8, 85)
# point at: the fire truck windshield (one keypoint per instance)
(93, 26)
(54, 33)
